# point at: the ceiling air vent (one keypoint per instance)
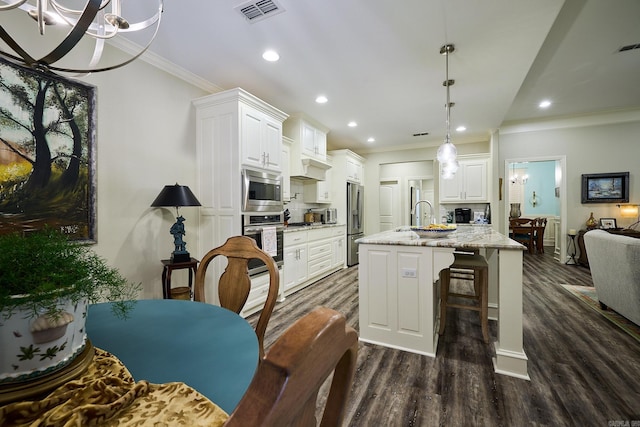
(258, 10)
(629, 47)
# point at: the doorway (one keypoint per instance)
(538, 186)
(397, 182)
(421, 189)
(389, 205)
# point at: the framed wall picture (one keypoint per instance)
(608, 223)
(605, 187)
(47, 153)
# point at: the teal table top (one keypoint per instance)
(209, 348)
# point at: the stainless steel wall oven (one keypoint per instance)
(252, 226)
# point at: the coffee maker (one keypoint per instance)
(463, 215)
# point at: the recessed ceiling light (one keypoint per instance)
(461, 128)
(545, 104)
(321, 99)
(270, 55)
(352, 124)
(371, 139)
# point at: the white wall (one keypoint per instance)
(145, 140)
(591, 146)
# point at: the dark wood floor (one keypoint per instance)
(584, 371)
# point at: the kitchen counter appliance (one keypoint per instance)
(330, 216)
(463, 215)
(261, 192)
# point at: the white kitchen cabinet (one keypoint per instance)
(339, 242)
(354, 170)
(469, 184)
(286, 169)
(319, 191)
(345, 166)
(314, 140)
(258, 294)
(295, 260)
(311, 254)
(260, 139)
(321, 250)
(223, 120)
(309, 147)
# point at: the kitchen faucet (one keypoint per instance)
(413, 211)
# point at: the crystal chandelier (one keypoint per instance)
(447, 152)
(99, 19)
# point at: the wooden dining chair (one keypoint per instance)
(539, 224)
(234, 284)
(522, 231)
(285, 388)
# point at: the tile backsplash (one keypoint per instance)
(297, 207)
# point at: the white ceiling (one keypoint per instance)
(378, 61)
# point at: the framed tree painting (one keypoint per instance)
(47, 153)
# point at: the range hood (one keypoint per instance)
(309, 168)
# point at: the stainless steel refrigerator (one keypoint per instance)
(355, 220)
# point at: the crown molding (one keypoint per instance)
(565, 122)
(161, 63)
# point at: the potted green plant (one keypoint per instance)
(46, 284)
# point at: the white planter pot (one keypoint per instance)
(33, 347)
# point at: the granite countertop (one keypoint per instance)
(465, 236)
(313, 226)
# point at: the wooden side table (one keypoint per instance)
(169, 266)
(583, 259)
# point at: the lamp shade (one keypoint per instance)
(175, 195)
(629, 211)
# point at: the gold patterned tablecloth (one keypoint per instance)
(106, 395)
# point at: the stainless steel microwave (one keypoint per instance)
(261, 192)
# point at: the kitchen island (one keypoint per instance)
(399, 299)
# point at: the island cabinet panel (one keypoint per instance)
(398, 295)
(409, 294)
(377, 303)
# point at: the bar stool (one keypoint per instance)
(466, 266)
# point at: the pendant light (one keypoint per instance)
(447, 152)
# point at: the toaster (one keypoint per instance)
(330, 216)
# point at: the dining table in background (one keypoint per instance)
(208, 347)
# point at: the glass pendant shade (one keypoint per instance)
(447, 152)
(449, 169)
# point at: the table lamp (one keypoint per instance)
(630, 211)
(177, 195)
